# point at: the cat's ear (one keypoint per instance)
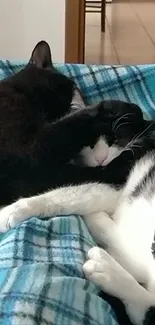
(41, 55)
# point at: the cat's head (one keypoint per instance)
(48, 85)
(117, 124)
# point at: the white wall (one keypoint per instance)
(25, 22)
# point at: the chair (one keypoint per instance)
(97, 6)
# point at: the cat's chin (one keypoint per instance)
(111, 156)
(105, 163)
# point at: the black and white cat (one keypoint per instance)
(121, 219)
(97, 146)
(47, 140)
(43, 131)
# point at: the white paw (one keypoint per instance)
(105, 272)
(97, 254)
(13, 214)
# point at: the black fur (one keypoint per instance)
(118, 307)
(39, 134)
(46, 165)
(145, 186)
(150, 316)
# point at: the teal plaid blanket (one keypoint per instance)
(41, 278)
(134, 84)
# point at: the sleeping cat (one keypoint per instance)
(47, 141)
(121, 219)
(37, 137)
(45, 145)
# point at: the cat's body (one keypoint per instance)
(29, 102)
(122, 220)
(43, 153)
(37, 138)
(46, 142)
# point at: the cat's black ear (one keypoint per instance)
(41, 55)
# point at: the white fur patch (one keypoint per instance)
(84, 200)
(100, 155)
(110, 276)
(113, 152)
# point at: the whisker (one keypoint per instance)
(120, 118)
(113, 126)
(136, 146)
(136, 137)
(121, 125)
(130, 149)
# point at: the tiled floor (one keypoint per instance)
(129, 36)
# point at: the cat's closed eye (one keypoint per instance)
(110, 140)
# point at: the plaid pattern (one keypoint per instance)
(41, 278)
(134, 84)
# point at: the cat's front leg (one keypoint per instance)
(13, 214)
(107, 234)
(110, 276)
(26, 208)
(84, 200)
(64, 139)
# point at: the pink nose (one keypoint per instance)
(100, 160)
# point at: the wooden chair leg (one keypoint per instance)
(103, 15)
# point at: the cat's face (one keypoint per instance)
(118, 123)
(99, 154)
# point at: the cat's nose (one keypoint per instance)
(100, 160)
